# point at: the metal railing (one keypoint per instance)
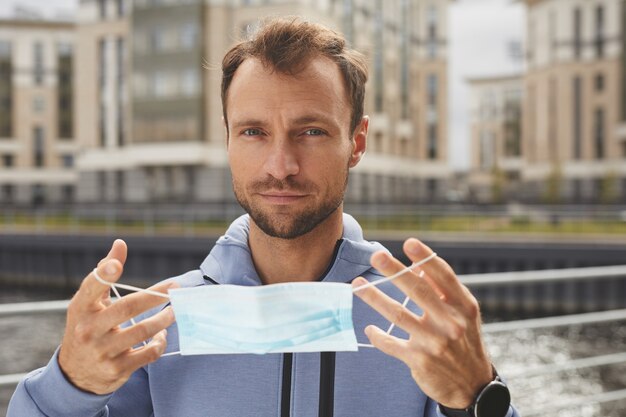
(60, 306)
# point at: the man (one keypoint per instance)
(293, 110)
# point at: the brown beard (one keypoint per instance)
(300, 223)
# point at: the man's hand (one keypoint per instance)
(96, 354)
(444, 351)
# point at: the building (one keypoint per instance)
(150, 116)
(496, 118)
(574, 130)
(37, 113)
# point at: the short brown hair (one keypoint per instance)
(287, 45)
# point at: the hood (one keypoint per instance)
(230, 261)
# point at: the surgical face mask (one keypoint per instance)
(290, 317)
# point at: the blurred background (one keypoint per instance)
(497, 135)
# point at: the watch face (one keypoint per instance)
(494, 401)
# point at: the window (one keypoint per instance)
(486, 157)
(432, 32)
(5, 49)
(67, 191)
(102, 8)
(102, 47)
(404, 60)
(188, 35)
(67, 160)
(599, 40)
(38, 71)
(432, 89)
(120, 8)
(157, 40)
(38, 147)
(39, 104)
(103, 125)
(379, 88)
(8, 193)
(190, 83)
(38, 194)
(120, 52)
(7, 160)
(432, 141)
(577, 33)
(599, 133)
(577, 117)
(599, 82)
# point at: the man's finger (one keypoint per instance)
(409, 283)
(144, 355)
(388, 344)
(92, 291)
(118, 251)
(438, 271)
(120, 340)
(132, 305)
(389, 308)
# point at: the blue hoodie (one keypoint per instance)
(344, 384)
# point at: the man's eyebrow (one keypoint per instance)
(302, 120)
(247, 122)
(312, 118)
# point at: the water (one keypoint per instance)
(29, 341)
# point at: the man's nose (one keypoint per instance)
(282, 160)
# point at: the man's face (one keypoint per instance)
(289, 145)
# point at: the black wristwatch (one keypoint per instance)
(492, 401)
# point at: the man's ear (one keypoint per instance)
(359, 142)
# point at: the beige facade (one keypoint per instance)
(574, 144)
(37, 141)
(496, 154)
(172, 146)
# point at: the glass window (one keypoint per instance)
(157, 40)
(599, 82)
(188, 35)
(102, 9)
(599, 38)
(599, 133)
(38, 147)
(190, 84)
(7, 160)
(433, 89)
(8, 193)
(38, 63)
(578, 102)
(64, 49)
(39, 104)
(5, 49)
(432, 31)
(432, 141)
(67, 160)
(103, 61)
(577, 33)
(120, 8)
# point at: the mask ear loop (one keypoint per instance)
(126, 287)
(391, 278)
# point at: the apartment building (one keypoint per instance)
(574, 130)
(37, 112)
(495, 133)
(150, 115)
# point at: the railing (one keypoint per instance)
(192, 219)
(489, 328)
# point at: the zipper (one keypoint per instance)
(327, 384)
(285, 398)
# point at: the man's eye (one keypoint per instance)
(314, 132)
(252, 132)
